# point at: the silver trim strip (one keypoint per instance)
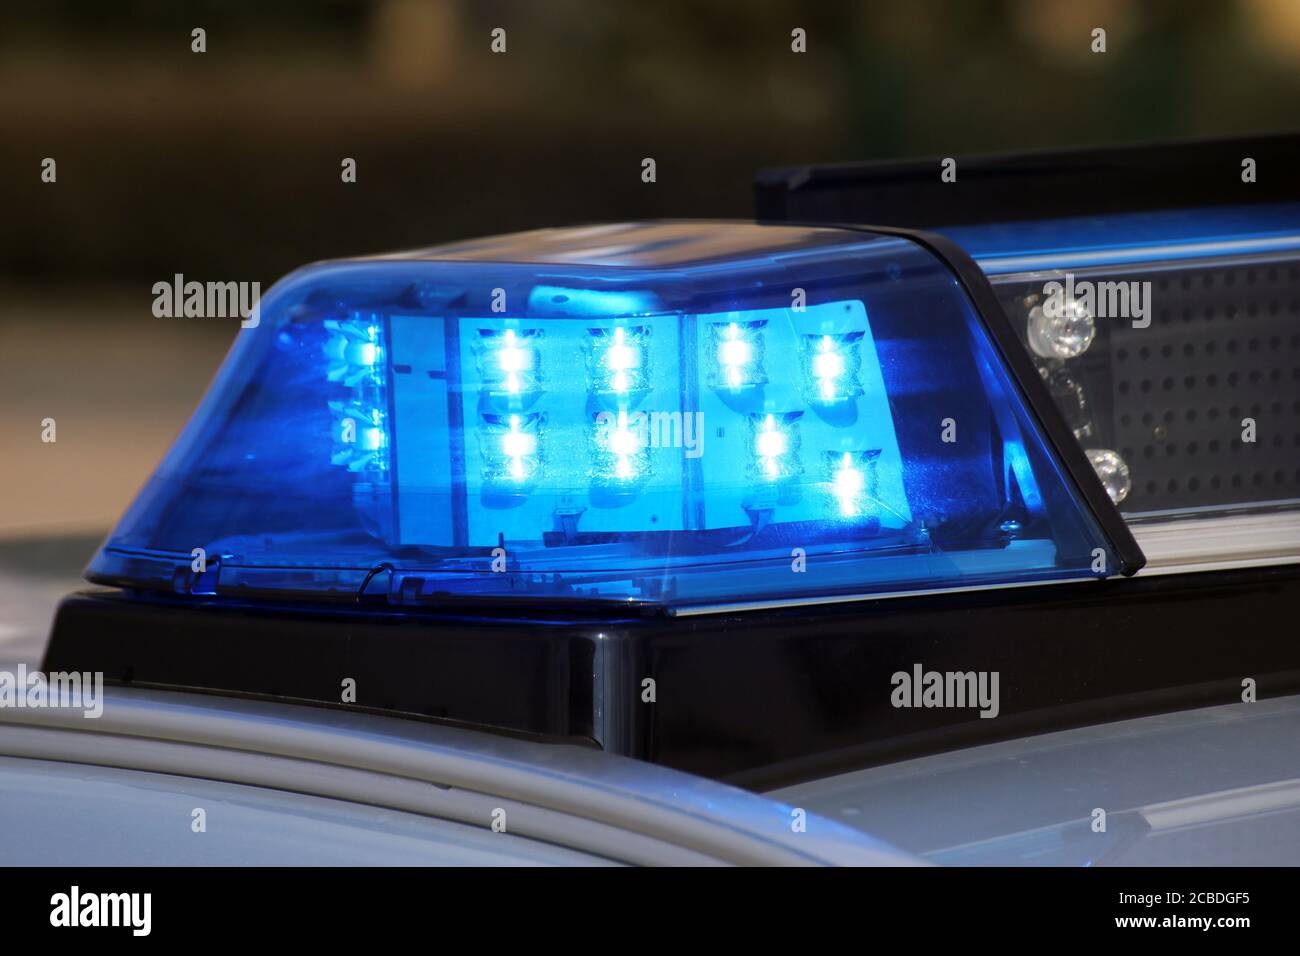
(1211, 544)
(1223, 806)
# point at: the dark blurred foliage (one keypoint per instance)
(226, 164)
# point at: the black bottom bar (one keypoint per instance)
(762, 698)
(978, 908)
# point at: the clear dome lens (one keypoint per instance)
(1112, 471)
(1061, 333)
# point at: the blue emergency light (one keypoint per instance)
(680, 415)
(694, 492)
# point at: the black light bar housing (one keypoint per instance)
(1032, 185)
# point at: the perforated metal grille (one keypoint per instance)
(1223, 345)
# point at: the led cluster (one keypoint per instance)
(617, 362)
(852, 480)
(738, 350)
(621, 450)
(354, 350)
(509, 364)
(618, 377)
(775, 441)
(511, 447)
(832, 366)
(510, 376)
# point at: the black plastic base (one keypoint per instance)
(761, 698)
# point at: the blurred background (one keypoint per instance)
(225, 165)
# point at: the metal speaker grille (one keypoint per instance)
(1223, 345)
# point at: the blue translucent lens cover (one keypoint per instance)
(688, 415)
